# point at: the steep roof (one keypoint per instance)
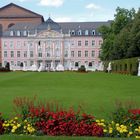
(49, 23)
(15, 11)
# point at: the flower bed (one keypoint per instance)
(43, 120)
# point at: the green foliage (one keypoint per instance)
(124, 66)
(82, 68)
(122, 37)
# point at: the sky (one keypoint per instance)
(75, 10)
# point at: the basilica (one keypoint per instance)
(27, 39)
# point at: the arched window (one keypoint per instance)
(86, 32)
(18, 33)
(79, 32)
(72, 32)
(25, 33)
(93, 32)
(11, 33)
(10, 25)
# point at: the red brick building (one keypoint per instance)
(12, 14)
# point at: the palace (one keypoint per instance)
(25, 38)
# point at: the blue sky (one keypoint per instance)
(75, 10)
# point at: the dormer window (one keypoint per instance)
(18, 33)
(25, 33)
(79, 32)
(11, 33)
(86, 32)
(72, 32)
(93, 32)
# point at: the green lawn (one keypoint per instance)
(97, 92)
(10, 137)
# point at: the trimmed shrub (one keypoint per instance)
(124, 66)
(82, 68)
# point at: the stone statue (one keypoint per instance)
(34, 67)
(60, 67)
(41, 68)
(109, 68)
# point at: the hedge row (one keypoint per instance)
(124, 66)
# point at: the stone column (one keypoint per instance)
(139, 67)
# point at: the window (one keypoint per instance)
(76, 64)
(5, 44)
(57, 52)
(31, 63)
(12, 53)
(5, 62)
(93, 42)
(86, 32)
(12, 63)
(25, 63)
(79, 43)
(86, 43)
(31, 54)
(11, 44)
(5, 53)
(100, 42)
(11, 33)
(40, 54)
(18, 63)
(90, 64)
(79, 53)
(25, 43)
(79, 32)
(18, 44)
(66, 53)
(18, 33)
(100, 53)
(25, 54)
(86, 53)
(25, 33)
(72, 32)
(18, 53)
(92, 53)
(72, 53)
(93, 32)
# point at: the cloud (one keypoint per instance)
(53, 3)
(93, 6)
(63, 19)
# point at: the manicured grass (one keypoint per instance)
(97, 92)
(10, 137)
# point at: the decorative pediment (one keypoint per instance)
(49, 34)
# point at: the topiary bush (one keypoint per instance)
(82, 68)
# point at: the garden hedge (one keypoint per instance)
(124, 66)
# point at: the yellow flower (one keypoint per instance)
(24, 127)
(102, 120)
(117, 124)
(130, 133)
(18, 125)
(16, 118)
(137, 137)
(105, 130)
(112, 122)
(97, 121)
(25, 121)
(13, 130)
(14, 127)
(130, 124)
(110, 131)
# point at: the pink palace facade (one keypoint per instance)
(71, 44)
